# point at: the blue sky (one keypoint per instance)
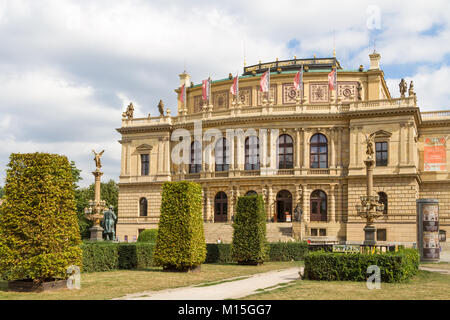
(69, 68)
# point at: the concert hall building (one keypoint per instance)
(320, 152)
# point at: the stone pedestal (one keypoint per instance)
(369, 235)
(96, 233)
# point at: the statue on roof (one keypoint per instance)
(359, 89)
(129, 113)
(403, 87)
(161, 108)
(411, 92)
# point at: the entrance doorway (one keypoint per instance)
(221, 207)
(284, 205)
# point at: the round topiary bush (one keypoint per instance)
(39, 234)
(180, 245)
(249, 244)
(148, 235)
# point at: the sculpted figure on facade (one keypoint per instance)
(403, 87)
(411, 92)
(161, 108)
(129, 113)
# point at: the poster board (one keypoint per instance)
(435, 154)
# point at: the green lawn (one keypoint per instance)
(114, 284)
(425, 285)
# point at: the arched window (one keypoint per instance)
(196, 157)
(252, 153)
(221, 207)
(384, 200)
(222, 155)
(143, 207)
(318, 151)
(285, 152)
(251, 193)
(318, 207)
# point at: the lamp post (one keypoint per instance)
(370, 207)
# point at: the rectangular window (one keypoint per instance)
(145, 164)
(314, 232)
(381, 153)
(323, 232)
(381, 234)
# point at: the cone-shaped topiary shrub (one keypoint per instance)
(249, 236)
(180, 243)
(39, 234)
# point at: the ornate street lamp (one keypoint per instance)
(370, 207)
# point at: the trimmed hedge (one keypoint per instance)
(180, 244)
(104, 256)
(148, 235)
(394, 266)
(39, 233)
(107, 256)
(249, 244)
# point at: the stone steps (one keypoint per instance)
(274, 232)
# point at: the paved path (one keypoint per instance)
(227, 290)
(444, 271)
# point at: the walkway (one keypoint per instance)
(225, 290)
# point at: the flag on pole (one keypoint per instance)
(332, 80)
(265, 81)
(183, 94)
(206, 89)
(298, 79)
(235, 86)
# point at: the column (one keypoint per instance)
(231, 143)
(333, 148)
(167, 155)
(230, 204)
(402, 144)
(358, 147)
(123, 161)
(411, 143)
(128, 159)
(297, 148)
(352, 154)
(305, 149)
(160, 155)
(332, 217)
(305, 197)
(270, 203)
(339, 151)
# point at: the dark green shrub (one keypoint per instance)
(394, 266)
(180, 244)
(39, 234)
(249, 244)
(287, 251)
(148, 235)
(104, 256)
(100, 256)
(218, 253)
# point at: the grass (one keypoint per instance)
(425, 285)
(115, 284)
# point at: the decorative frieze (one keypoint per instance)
(221, 100)
(318, 92)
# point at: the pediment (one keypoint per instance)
(144, 147)
(382, 134)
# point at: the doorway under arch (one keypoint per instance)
(284, 205)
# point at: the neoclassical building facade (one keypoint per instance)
(300, 149)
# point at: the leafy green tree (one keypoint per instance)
(2, 192)
(39, 234)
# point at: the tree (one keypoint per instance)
(39, 234)
(180, 243)
(249, 244)
(2, 192)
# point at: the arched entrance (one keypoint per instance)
(221, 207)
(284, 205)
(318, 206)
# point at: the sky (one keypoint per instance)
(68, 69)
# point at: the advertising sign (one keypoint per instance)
(428, 229)
(435, 154)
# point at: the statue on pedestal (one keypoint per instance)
(298, 212)
(108, 224)
(98, 163)
(369, 142)
(129, 113)
(161, 108)
(411, 92)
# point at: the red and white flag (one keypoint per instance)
(206, 89)
(183, 94)
(265, 81)
(332, 80)
(235, 86)
(298, 79)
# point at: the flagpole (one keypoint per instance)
(268, 87)
(237, 87)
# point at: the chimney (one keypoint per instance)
(374, 61)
